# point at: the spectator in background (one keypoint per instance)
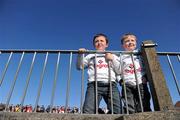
(177, 105)
(2, 107)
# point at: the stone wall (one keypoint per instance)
(163, 115)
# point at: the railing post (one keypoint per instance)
(160, 93)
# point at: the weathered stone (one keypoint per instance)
(160, 115)
(160, 93)
(55, 116)
(166, 115)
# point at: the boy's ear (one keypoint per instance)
(122, 45)
(107, 45)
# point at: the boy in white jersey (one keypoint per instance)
(129, 42)
(100, 72)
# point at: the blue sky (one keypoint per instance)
(36, 23)
(71, 24)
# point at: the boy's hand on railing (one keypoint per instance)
(82, 50)
(109, 56)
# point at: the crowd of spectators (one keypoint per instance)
(43, 109)
(39, 108)
(55, 109)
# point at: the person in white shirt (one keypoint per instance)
(100, 72)
(129, 42)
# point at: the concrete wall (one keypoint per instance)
(163, 115)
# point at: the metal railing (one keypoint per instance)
(42, 74)
(168, 55)
(59, 54)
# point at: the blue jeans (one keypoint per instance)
(133, 98)
(103, 92)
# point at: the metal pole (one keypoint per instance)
(178, 58)
(27, 80)
(82, 85)
(7, 64)
(109, 70)
(174, 75)
(55, 80)
(135, 73)
(14, 82)
(68, 82)
(55, 51)
(124, 86)
(96, 86)
(41, 82)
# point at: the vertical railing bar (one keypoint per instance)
(124, 85)
(28, 79)
(135, 71)
(41, 82)
(68, 83)
(7, 64)
(174, 75)
(82, 85)
(14, 82)
(55, 80)
(178, 58)
(109, 70)
(96, 84)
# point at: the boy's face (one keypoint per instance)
(100, 43)
(129, 43)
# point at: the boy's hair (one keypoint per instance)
(98, 35)
(126, 35)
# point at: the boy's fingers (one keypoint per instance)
(81, 50)
(109, 56)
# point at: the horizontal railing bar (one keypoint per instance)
(36, 50)
(169, 53)
(61, 51)
(75, 51)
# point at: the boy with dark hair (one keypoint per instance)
(99, 73)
